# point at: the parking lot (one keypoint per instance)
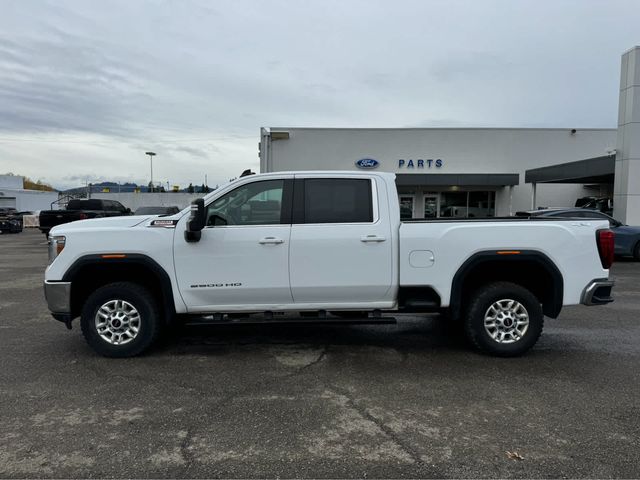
(405, 400)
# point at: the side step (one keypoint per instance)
(420, 305)
(270, 319)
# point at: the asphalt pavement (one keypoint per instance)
(405, 400)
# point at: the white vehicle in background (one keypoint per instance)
(328, 246)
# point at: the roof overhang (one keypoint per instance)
(451, 179)
(590, 170)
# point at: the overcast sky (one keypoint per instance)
(86, 87)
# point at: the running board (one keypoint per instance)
(219, 319)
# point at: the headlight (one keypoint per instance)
(56, 245)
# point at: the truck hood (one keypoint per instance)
(108, 222)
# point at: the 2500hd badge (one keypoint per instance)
(216, 285)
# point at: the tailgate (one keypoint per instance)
(56, 217)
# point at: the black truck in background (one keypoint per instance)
(81, 210)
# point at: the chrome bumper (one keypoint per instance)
(58, 295)
(598, 292)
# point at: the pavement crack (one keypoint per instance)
(311, 364)
(185, 453)
(415, 456)
(317, 360)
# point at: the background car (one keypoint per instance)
(6, 211)
(602, 204)
(10, 221)
(627, 240)
(81, 209)
(157, 210)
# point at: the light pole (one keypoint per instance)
(151, 155)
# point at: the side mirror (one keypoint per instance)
(196, 221)
(128, 211)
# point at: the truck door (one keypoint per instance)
(341, 248)
(242, 258)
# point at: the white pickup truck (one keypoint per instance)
(325, 246)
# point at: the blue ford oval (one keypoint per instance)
(367, 163)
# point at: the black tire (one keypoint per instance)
(149, 323)
(636, 252)
(480, 303)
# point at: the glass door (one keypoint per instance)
(406, 207)
(431, 205)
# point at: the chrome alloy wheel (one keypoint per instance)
(117, 322)
(506, 321)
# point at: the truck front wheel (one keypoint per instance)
(120, 320)
(503, 319)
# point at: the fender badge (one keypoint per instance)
(164, 223)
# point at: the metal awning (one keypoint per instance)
(451, 179)
(590, 170)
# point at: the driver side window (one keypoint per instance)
(257, 203)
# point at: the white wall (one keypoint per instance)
(462, 150)
(28, 199)
(135, 200)
(12, 182)
(626, 199)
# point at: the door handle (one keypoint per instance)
(372, 238)
(270, 241)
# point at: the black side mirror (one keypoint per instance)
(196, 221)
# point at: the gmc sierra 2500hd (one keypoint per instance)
(318, 242)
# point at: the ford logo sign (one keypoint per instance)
(367, 163)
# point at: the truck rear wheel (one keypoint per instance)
(120, 320)
(503, 319)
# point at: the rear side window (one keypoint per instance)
(337, 200)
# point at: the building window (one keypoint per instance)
(481, 204)
(453, 204)
(467, 204)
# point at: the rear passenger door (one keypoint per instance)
(341, 250)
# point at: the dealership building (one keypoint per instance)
(479, 172)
